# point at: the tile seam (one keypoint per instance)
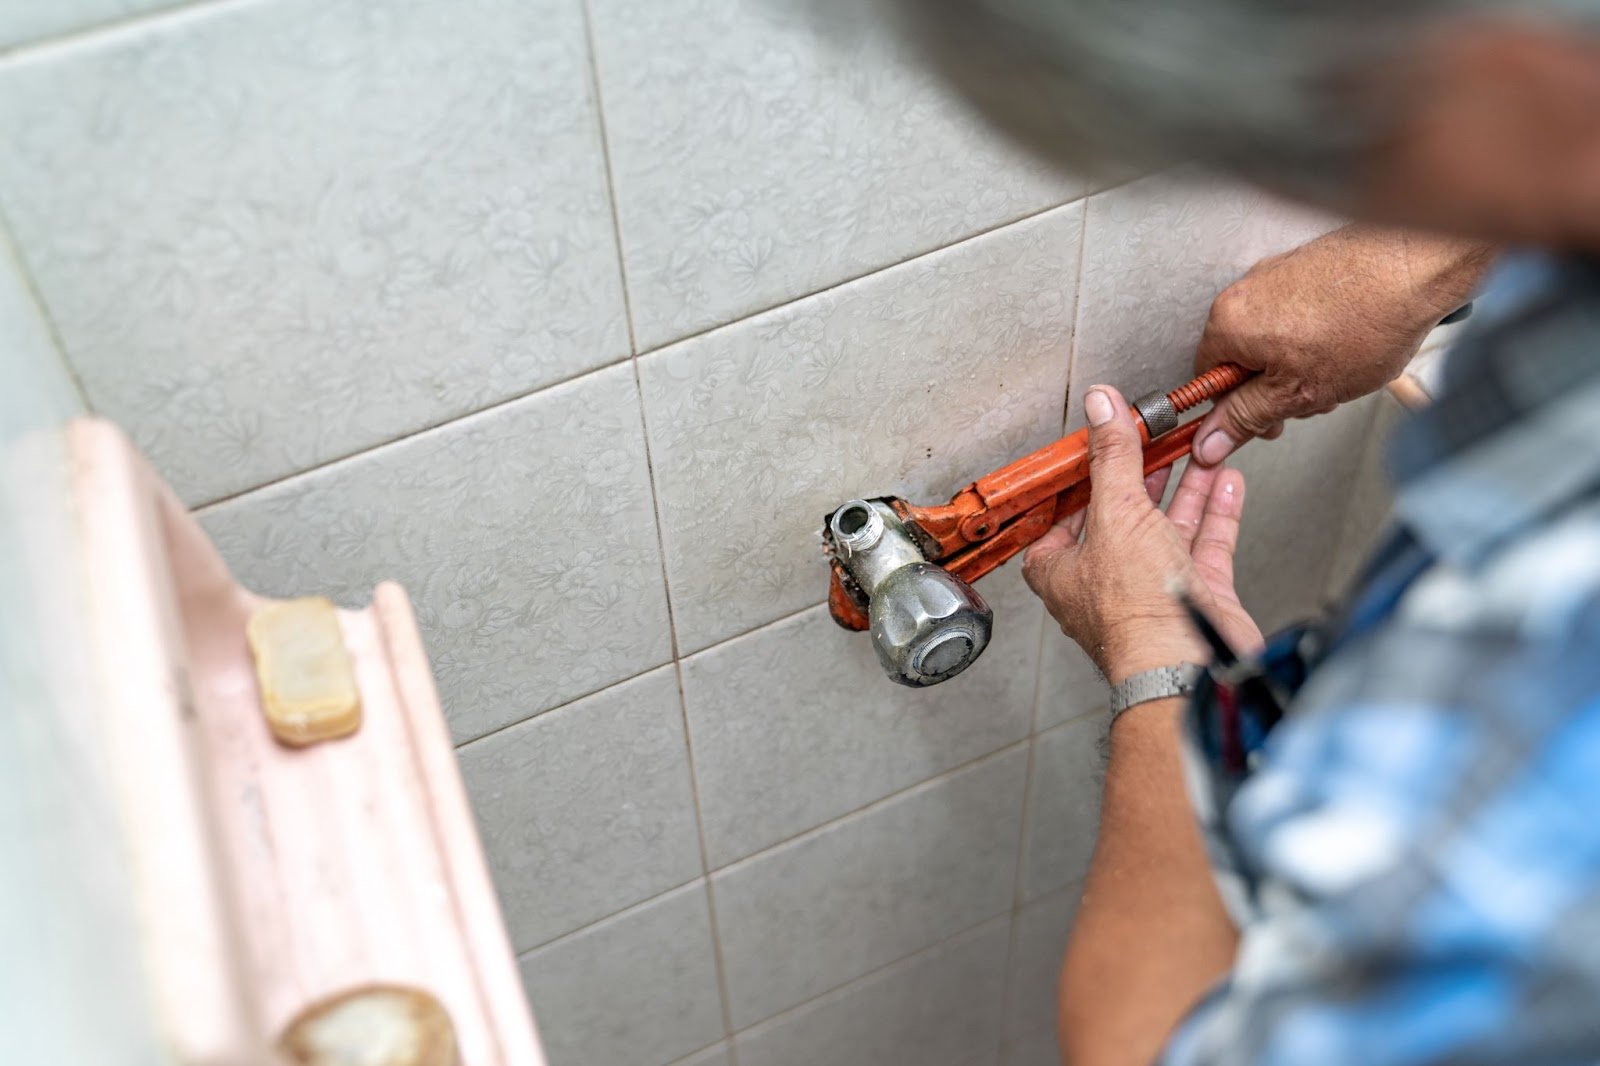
(746, 316)
(611, 178)
(11, 248)
(444, 423)
(91, 33)
(876, 971)
(831, 823)
(608, 916)
(634, 677)
(440, 426)
(881, 801)
(1077, 308)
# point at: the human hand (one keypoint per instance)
(1106, 573)
(1328, 322)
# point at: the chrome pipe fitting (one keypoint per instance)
(927, 624)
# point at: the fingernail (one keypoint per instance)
(1097, 405)
(1216, 447)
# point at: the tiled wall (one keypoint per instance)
(65, 918)
(576, 317)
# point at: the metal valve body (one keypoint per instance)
(927, 624)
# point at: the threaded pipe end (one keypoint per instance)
(1213, 383)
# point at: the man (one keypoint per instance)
(1406, 867)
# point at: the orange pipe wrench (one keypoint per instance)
(1001, 513)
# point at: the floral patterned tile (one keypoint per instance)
(911, 382)
(841, 734)
(586, 809)
(638, 989)
(859, 893)
(274, 234)
(759, 157)
(524, 535)
(938, 1008)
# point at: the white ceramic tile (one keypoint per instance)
(1069, 684)
(38, 391)
(721, 1055)
(1041, 940)
(1063, 805)
(911, 382)
(867, 890)
(524, 535)
(939, 1008)
(796, 723)
(273, 234)
(587, 809)
(1298, 490)
(758, 159)
(1035, 1049)
(1370, 504)
(23, 21)
(1156, 253)
(639, 989)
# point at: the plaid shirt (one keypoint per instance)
(1414, 857)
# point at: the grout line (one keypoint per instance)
(523, 953)
(830, 823)
(876, 971)
(884, 269)
(1077, 311)
(611, 179)
(859, 978)
(718, 956)
(1045, 621)
(11, 249)
(606, 917)
(420, 431)
(866, 808)
(697, 1052)
(1007, 1037)
(601, 691)
(1008, 992)
(634, 677)
(128, 23)
(452, 420)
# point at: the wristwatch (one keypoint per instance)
(1161, 683)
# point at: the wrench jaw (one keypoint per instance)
(927, 624)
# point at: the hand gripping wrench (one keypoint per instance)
(905, 572)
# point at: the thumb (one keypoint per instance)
(1247, 412)
(1116, 455)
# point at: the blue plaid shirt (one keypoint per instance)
(1414, 857)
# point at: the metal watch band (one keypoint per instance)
(1161, 683)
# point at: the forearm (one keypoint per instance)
(1151, 933)
(1438, 273)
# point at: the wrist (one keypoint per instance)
(1121, 663)
(1441, 272)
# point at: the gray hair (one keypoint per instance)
(1275, 89)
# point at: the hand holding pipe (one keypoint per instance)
(905, 572)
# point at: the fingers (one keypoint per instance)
(1042, 558)
(1073, 524)
(1155, 484)
(1248, 411)
(1116, 455)
(1189, 501)
(1218, 535)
